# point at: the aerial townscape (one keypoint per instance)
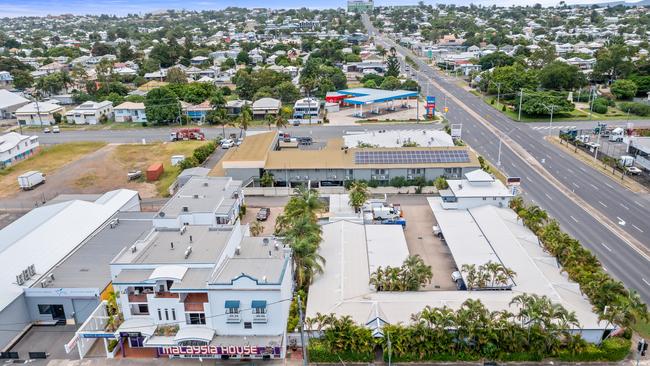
(330, 183)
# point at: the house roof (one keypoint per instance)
(9, 99)
(43, 107)
(130, 105)
(266, 103)
(9, 140)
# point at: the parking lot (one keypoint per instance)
(421, 240)
(48, 339)
(253, 205)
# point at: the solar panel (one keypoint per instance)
(411, 157)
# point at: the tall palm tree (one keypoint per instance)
(307, 261)
(244, 120)
(280, 121)
(358, 195)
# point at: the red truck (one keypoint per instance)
(187, 134)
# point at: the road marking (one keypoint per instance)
(583, 169)
(606, 247)
(605, 269)
(574, 219)
(596, 188)
(607, 184)
(620, 221)
(547, 196)
(625, 207)
(636, 227)
(639, 204)
(646, 282)
(528, 179)
(577, 186)
(570, 171)
(604, 205)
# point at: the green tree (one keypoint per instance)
(495, 59)
(392, 66)
(176, 76)
(286, 92)
(623, 89)
(540, 103)
(559, 75)
(358, 195)
(162, 106)
(266, 180)
(390, 83)
(22, 79)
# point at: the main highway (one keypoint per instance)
(610, 220)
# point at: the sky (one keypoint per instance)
(13, 8)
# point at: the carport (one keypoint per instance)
(375, 99)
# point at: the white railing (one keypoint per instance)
(260, 318)
(233, 318)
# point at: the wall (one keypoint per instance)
(17, 315)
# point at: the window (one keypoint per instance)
(173, 314)
(248, 325)
(159, 315)
(166, 314)
(143, 308)
(259, 310)
(484, 198)
(232, 310)
(44, 309)
(494, 198)
(196, 318)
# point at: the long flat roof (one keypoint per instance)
(258, 259)
(370, 96)
(202, 195)
(46, 235)
(344, 287)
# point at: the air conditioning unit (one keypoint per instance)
(31, 269)
(134, 248)
(409, 177)
(188, 251)
(20, 280)
(183, 229)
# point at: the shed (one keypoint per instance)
(154, 171)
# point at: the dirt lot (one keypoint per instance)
(421, 241)
(101, 169)
(48, 160)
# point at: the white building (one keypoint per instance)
(303, 108)
(43, 238)
(477, 189)
(130, 112)
(90, 113)
(15, 147)
(9, 103)
(398, 138)
(6, 80)
(36, 114)
(204, 284)
(264, 106)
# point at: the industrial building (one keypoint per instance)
(353, 250)
(51, 270)
(336, 163)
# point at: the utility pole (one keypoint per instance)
(302, 333)
(521, 98)
(38, 111)
(551, 120)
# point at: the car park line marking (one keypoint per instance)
(636, 227)
(625, 207)
(646, 282)
(607, 184)
(596, 188)
(604, 205)
(606, 247)
(547, 196)
(577, 186)
(574, 219)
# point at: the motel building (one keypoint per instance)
(197, 284)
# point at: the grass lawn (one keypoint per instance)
(140, 156)
(643, 328)
(48, 160)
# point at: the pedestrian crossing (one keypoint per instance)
(552, 127)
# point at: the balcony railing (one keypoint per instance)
(260, 318)
(137, 297)
(233, 318)
(166, 295)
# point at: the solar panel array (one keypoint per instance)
(411, 157)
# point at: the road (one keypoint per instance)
(608, 219)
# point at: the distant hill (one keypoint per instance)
(615, 3)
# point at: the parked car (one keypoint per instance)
(633, 170)
(263, 214)
(56, 129)
(133, 174)
(305, 140)
(46, 130)
(227, 144)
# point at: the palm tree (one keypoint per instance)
(66, 80)
(307, 261)
(280, 121)
(358, 195)
(256, 228)
(269, 120)
(244, 120)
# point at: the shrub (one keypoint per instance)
(635, 108)
(398, 182)
(112, 344)
(319, 352)
(611, 350)
(599, 105)
(189, 162)
(623, 89)
(373, 183)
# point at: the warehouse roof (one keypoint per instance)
(9, 99)
(46, 235)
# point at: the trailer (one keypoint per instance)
(187, 134)
(30, 180)
(616, 135)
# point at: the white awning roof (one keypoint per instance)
(171, 271)
(142, 325)
(194, 333)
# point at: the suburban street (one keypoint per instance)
(619, 251)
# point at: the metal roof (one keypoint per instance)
(370, 96)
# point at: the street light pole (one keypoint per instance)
(521, 98)
(499, 157)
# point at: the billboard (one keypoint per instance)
(218, 351)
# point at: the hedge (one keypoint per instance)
(439, 357)
(638, 109)
(611, 350)
(318, 352)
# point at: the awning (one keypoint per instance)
(232, 304)
(258, 304)
(191, 333)
(144, 326)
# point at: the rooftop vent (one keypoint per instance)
(205, 184)
(161, 214)
(265, 241)
(238, 250)
(186, 209)
(188, 251)
(134, 248)
(183, 229)
(196, 196)
(277, 246)
(171, 245)
(460, 186)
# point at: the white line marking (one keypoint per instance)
(604, 205)
(583, 169)
(596, 188)
(574, 219)
(607, 184)
(605, 268)
(636, 227)
(639, 204)
(570, 171)
(625, 207)
(606, 247)
(577, 186)
(646, 282)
